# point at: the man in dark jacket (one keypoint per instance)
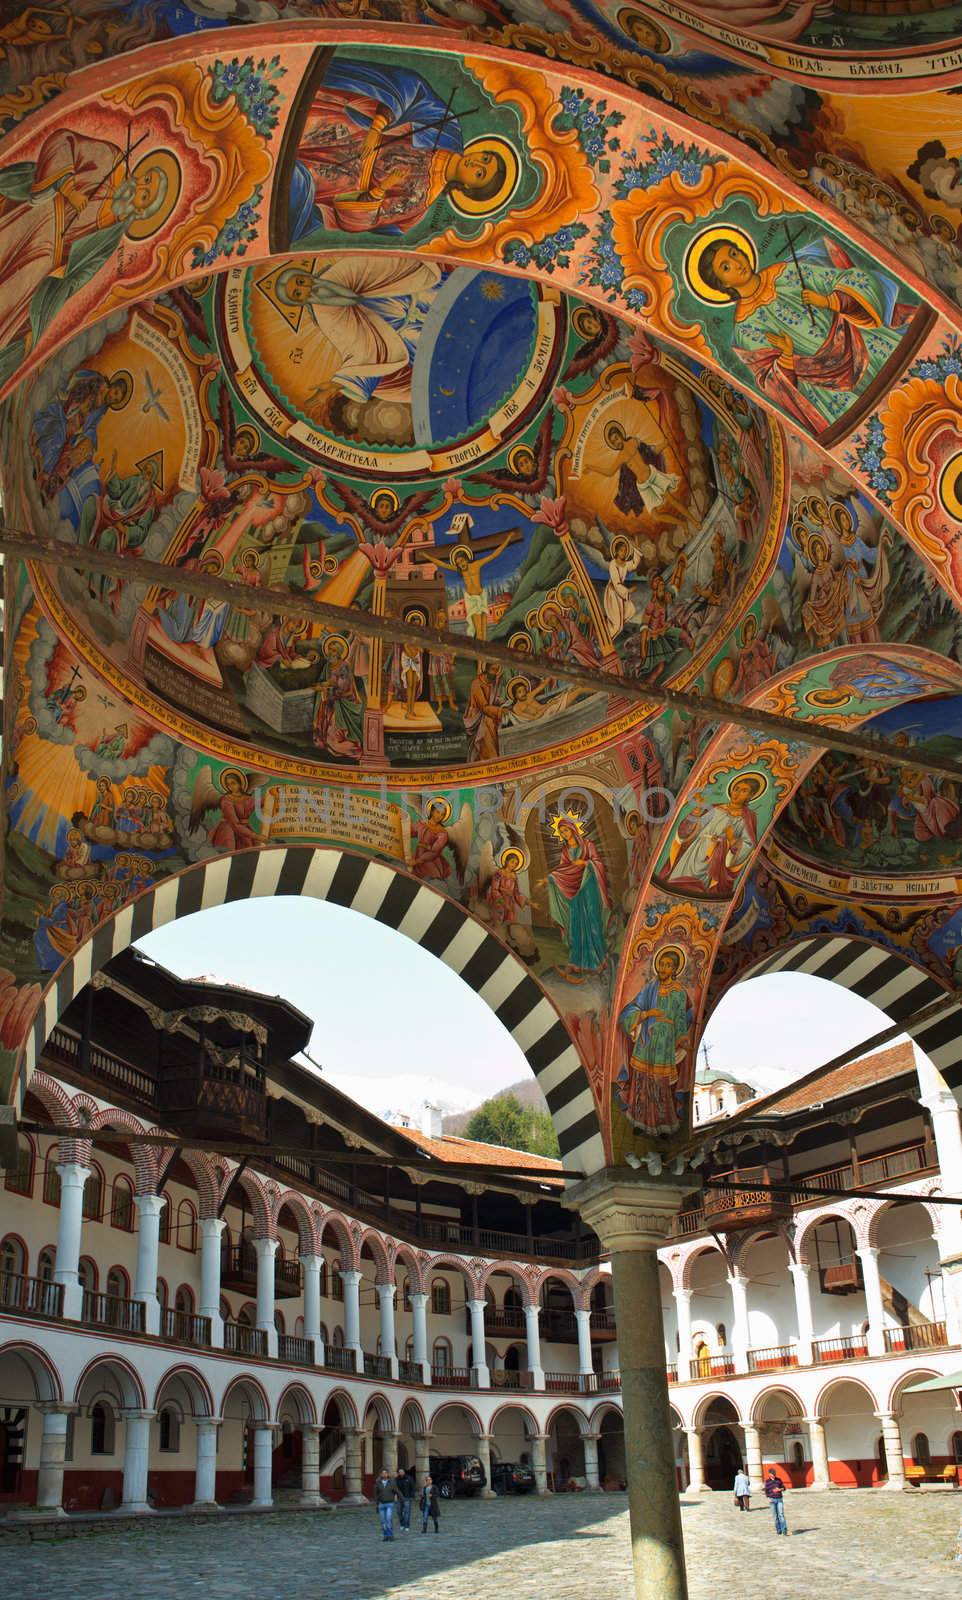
(430, 1504)
(775, 1494)
(407, 1490)
(385, 1495)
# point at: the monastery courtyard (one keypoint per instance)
(848, 1544)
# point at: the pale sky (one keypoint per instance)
(393, 1026)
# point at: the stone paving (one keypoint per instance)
(846, 1545)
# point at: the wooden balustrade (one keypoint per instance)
(410, 1372)
(338, 1359)
(564, 1383)
(451, 1377)
(112, 1311)
(672, 1371)
(184, 1327)
(376, 1366)
(848, 1347)
(512, 1380)
(295, 1350)
(921, 1336)
(242, 1340)
(772, 1358)
(33, 1295)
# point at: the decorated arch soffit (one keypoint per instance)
(650, 369)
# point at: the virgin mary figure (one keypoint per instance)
(578, 897)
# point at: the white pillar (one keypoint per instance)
(353, 1467)
(800, 1271)
(482, 1376)
(53, 1453)
(939, 1101)
(351, 1281)
(136, 1461)
(484, 1455)
(583, 1324)
(266, 1250)
(422, 1457)
(683, 1312)
(539, 1462)
(148, 1208)
(753, 1455)
(739, 1288)
(311, 1466)
(263, 1455)
(696, 1461)
(385, 1301)
(590, 1442)
(894, 1460)
(419, 1311)
(873, 1300)
(531, 1314)
(205, 1472)
(69, 1232)
(821, 1472)
(311, 1266)
(211, 1229)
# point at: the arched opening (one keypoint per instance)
(777, 1415)
(26, 1376)
(106, 1391)
(565, 1450)
(243, 1406)
(454, 1462)
(723, 1442)
(856, 1449)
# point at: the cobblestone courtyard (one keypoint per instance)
(849, 1546)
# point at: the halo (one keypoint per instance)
(520, 679)
(531, 618)
(828, 699)
(385, 493)
(249, 438)
(838, 512)
(579, 320)
(619, 542)
(212, 562)
(694, 255)
(439, 800)
(569, 817)
(632, 823)
(813, 540)
(234, 772)
(670, 949)
(950, 487)
(121, 376)
(751, 621)
(662, 43)
(517, 451)
(520, 642)
(167, 163)
(614, 423)
(567, 591)
(513, 857)
(335, 647)
(466, 204)
(758, 782)
(548, 605)
(461, 550)
(417, 615)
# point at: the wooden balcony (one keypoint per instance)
(565, 1382)
(730, 1208)
(214, 1097)
(672, 1372)
(66, 1048)
(242, 1340)
(923, 1336)
(709, 1366)
(295, 1351)
(773, 1358)
(112, 1311)
(410, 1372)
(32, 1295)
(376, 1366)
(508, 1319)
(843, 1277)
(451, 1377)
(848, 1347)
(517, 1380)
(337, 1359)
(238, 1271)
(184, 1327)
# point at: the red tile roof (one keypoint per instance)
(848, 1079)
(469, 1152)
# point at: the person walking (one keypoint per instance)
(407, 1490)
(775, 1494)
(743, 1490)
(430, 1505)
(385, 1496)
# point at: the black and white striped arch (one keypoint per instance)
(889, 981)
(391, 897)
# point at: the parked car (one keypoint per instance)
(511, 1477)
(457, 1475)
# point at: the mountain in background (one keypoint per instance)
(526, 1090)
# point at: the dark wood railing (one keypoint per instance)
(516, 1380)
(607, 1382)
(339, 1359)
(113, 1311)
(848, 1347)
(709, 1366)
(238, 1265)
(773, 1358)
(35, 1295)
(184, 1327)
(567, 1382)
(299, 1352)
(451, 1377)
(376, 1366)
(242, 1340)
(504, 1319)
(66, 1047)
(410, 1372)
(923, 1336)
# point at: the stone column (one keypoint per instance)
(696, 1461)
(539, 1461)
(479, 1366)
(821, 1472)
(311, 1465)
(583, 1324)
(939, 1101)
(352, 1316)
(753, 1455)
(740, 1337)
(211, 1229)
(389, 1444)
(873, 1300)
(683, 1312)
(69, 1233)
(484, 1455)
(422, 1454)
(354, 1467)
(631, 1212)
(136, 1461)
(205, 1472)
(53, 1452)
(800, 1271)
(311, 1267)
(419, 1311)
(264, 1448)
(590, 1442)
(148, 1207)
(894, 1459)
(385, 1300)
(266, 1250)
(531, 1314)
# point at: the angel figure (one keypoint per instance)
(224, 812)
(435, 838)
(599, 333)
(528, 465)
(502, 904)
(384, 515)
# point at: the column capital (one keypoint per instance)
(57, 1408)
(266, 1247)
(213, 1226)
(206, 1422)
(813, 1422)
(628, 1210)
(386, 1288)
(681, 1293)
(266, 1425)
(800, 1266)
(150, 1204)
(867, 1251)
(137, 1414)
(886, 1416)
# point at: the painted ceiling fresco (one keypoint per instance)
(615, 350)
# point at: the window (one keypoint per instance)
(279, 1322)
(337, 1282)
(87, 1273)
(298, 1327)
(101, 1430)
(441, 1297)
(169, 1430)
(722, 1334)
(409, 1350)
(122, 1205)
(19, 1180)
(186, 1226)
(338, 1339)
(225, 1310)
(322, 1278)
(51, 1179)
(184, 1299)
(165, 1220)
(93, 1201)
(406, 1293)
(324, 1333)
(163, 1293)
(441, 1356)
(46, 1264)
(920, 1449)
(118, 1283)
(798, 1455)
(13, 1256)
